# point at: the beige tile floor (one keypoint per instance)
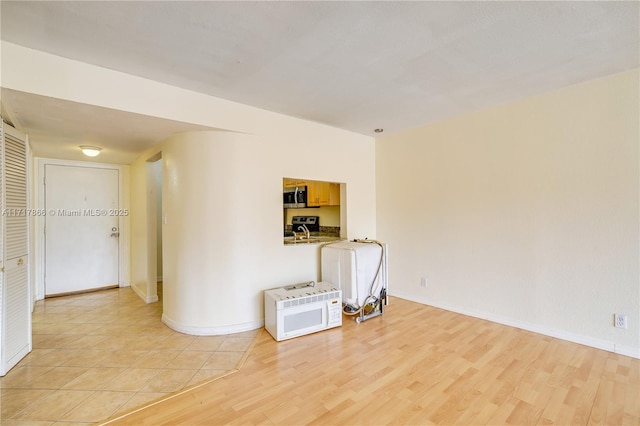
(98, 354)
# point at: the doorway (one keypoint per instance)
(82, 228)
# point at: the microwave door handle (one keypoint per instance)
(295, 196)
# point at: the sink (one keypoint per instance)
(291, 240)
(312, 240)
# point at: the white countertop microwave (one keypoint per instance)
(302, 309)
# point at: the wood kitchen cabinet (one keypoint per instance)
(290, 183)
(323, 194)
(319, 193)
(316, 194)
(334, 194)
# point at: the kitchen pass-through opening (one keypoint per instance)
(313, 210)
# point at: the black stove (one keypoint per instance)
(311, 222)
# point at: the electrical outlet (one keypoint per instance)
(620, 321)
(423, 282)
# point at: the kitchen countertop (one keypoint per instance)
(289, 241)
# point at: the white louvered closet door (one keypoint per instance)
(15, 316)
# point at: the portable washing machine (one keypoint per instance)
(358, 268)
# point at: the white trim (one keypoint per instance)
(629, 351)
(143, 296)
(536, 328)
(211, 331)
(123, 222)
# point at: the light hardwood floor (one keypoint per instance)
(414, 365)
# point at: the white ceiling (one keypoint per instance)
(352, 65)
(57, 128)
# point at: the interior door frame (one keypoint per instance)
(123, 221)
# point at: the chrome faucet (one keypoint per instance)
(304, 229)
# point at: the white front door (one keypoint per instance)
(81, 228)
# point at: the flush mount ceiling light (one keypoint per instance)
(90, 151)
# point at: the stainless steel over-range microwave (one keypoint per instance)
(295, 197)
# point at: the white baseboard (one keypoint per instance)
(143, 295)
(606, 345)
(211, 331)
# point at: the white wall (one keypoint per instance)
(222, 198)
(157, 174)
(214, 263)
(140, 257)
(241, 253)
(526, 213)
(231, 208)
